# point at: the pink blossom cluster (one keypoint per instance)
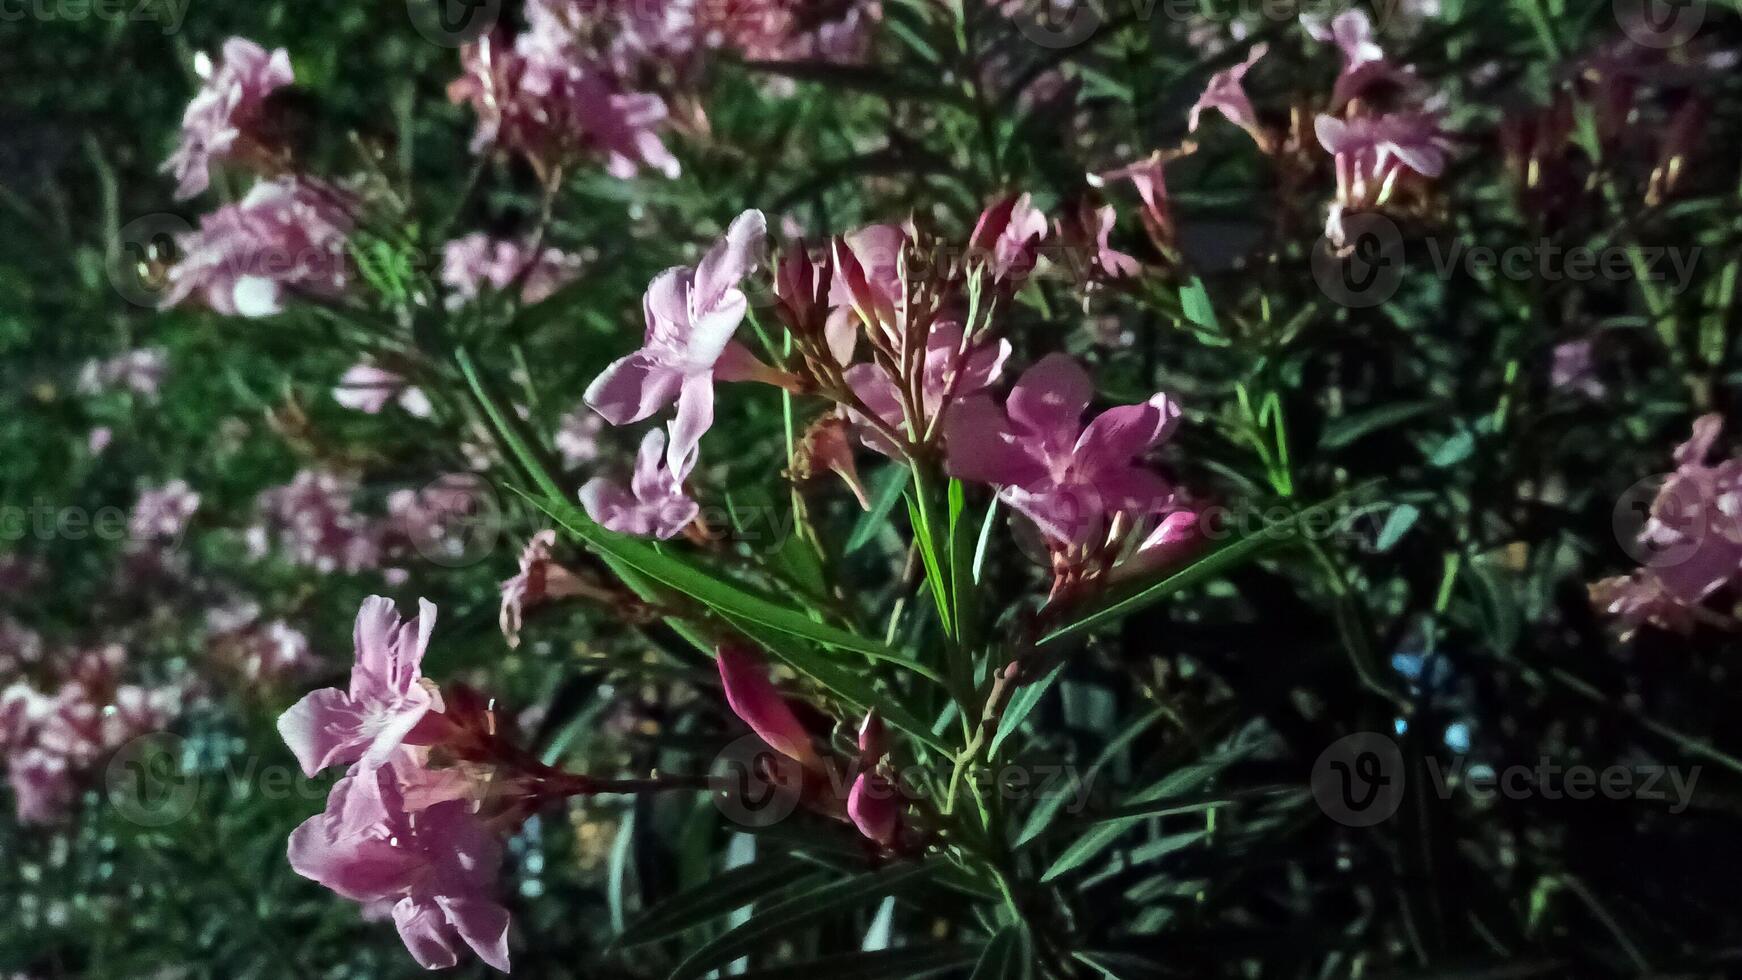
(313, 521)
(837, 31)
(262, 652)
(228, 119)
(138, 372)
(1378, 131)
(476, 261)
(286, 238)
(1691, 540)
(162, 513)
(369, 389)
(52, 738)
(394, 836)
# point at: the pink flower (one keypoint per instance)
(386, 700)
(758, 703)
(873, 807)
(1693, 537)
(42, 785)
(552, 109)
(139, 372)
(691, 316)
(366, 388)
(477, 260)
(313, 519)
(1364, 61)
(436, 867)
(540, 580)
(1008, 232)
(1069, 479)
(1373, 153)
(1226, 94)
(950, 374)
(223, 119)
(867, 283)
(286, 237)
(163, 512)
(1575, 369)
(577, 436)
(653, 504)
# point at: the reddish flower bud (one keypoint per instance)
(874, 808)
(755, 699)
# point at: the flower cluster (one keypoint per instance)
(138, 372)
(53, 738)
(1692, 543)
(476, 261)
(1377, 130)
(229, 121)
(286, 238)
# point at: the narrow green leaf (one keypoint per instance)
(906, 963)
(617, 881)
(1021, 703)
(1349, 428)
(1397, 524)
(1194, 301)
(1009, 956)
(1048, 808)
(886, 490)
(723, 893)
(782, 917)
(1101, 836)
(926, 540)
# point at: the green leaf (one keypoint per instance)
(1009, 956)
(1397, 524)
(907, 963)
(783, 917)
(1021, 703)
(1047, 809)
(925, 538)
(1454, 450)
(1195, 303)
(1349, 428)
(1101, 835)
(622, 864)
(886, 491)
(726, 892)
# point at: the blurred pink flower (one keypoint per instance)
(1575, 369)
(42, 786)
(1364, 61)
(653, 504)
(553, 109)
(759, 704)
(539, 580)
(477, 260)
(224, 116)
(577, 436)
(313, 520)
(1226, 94)
(1693, 537)
(386, 700)
(436, 868)
(1069, 479)
(139, 372)
(285, 238)
(163, 512)
(368, 389)
(691, 316)
(1007, 232)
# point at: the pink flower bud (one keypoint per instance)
(873, 740)
(873, 807)
(754, 698)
